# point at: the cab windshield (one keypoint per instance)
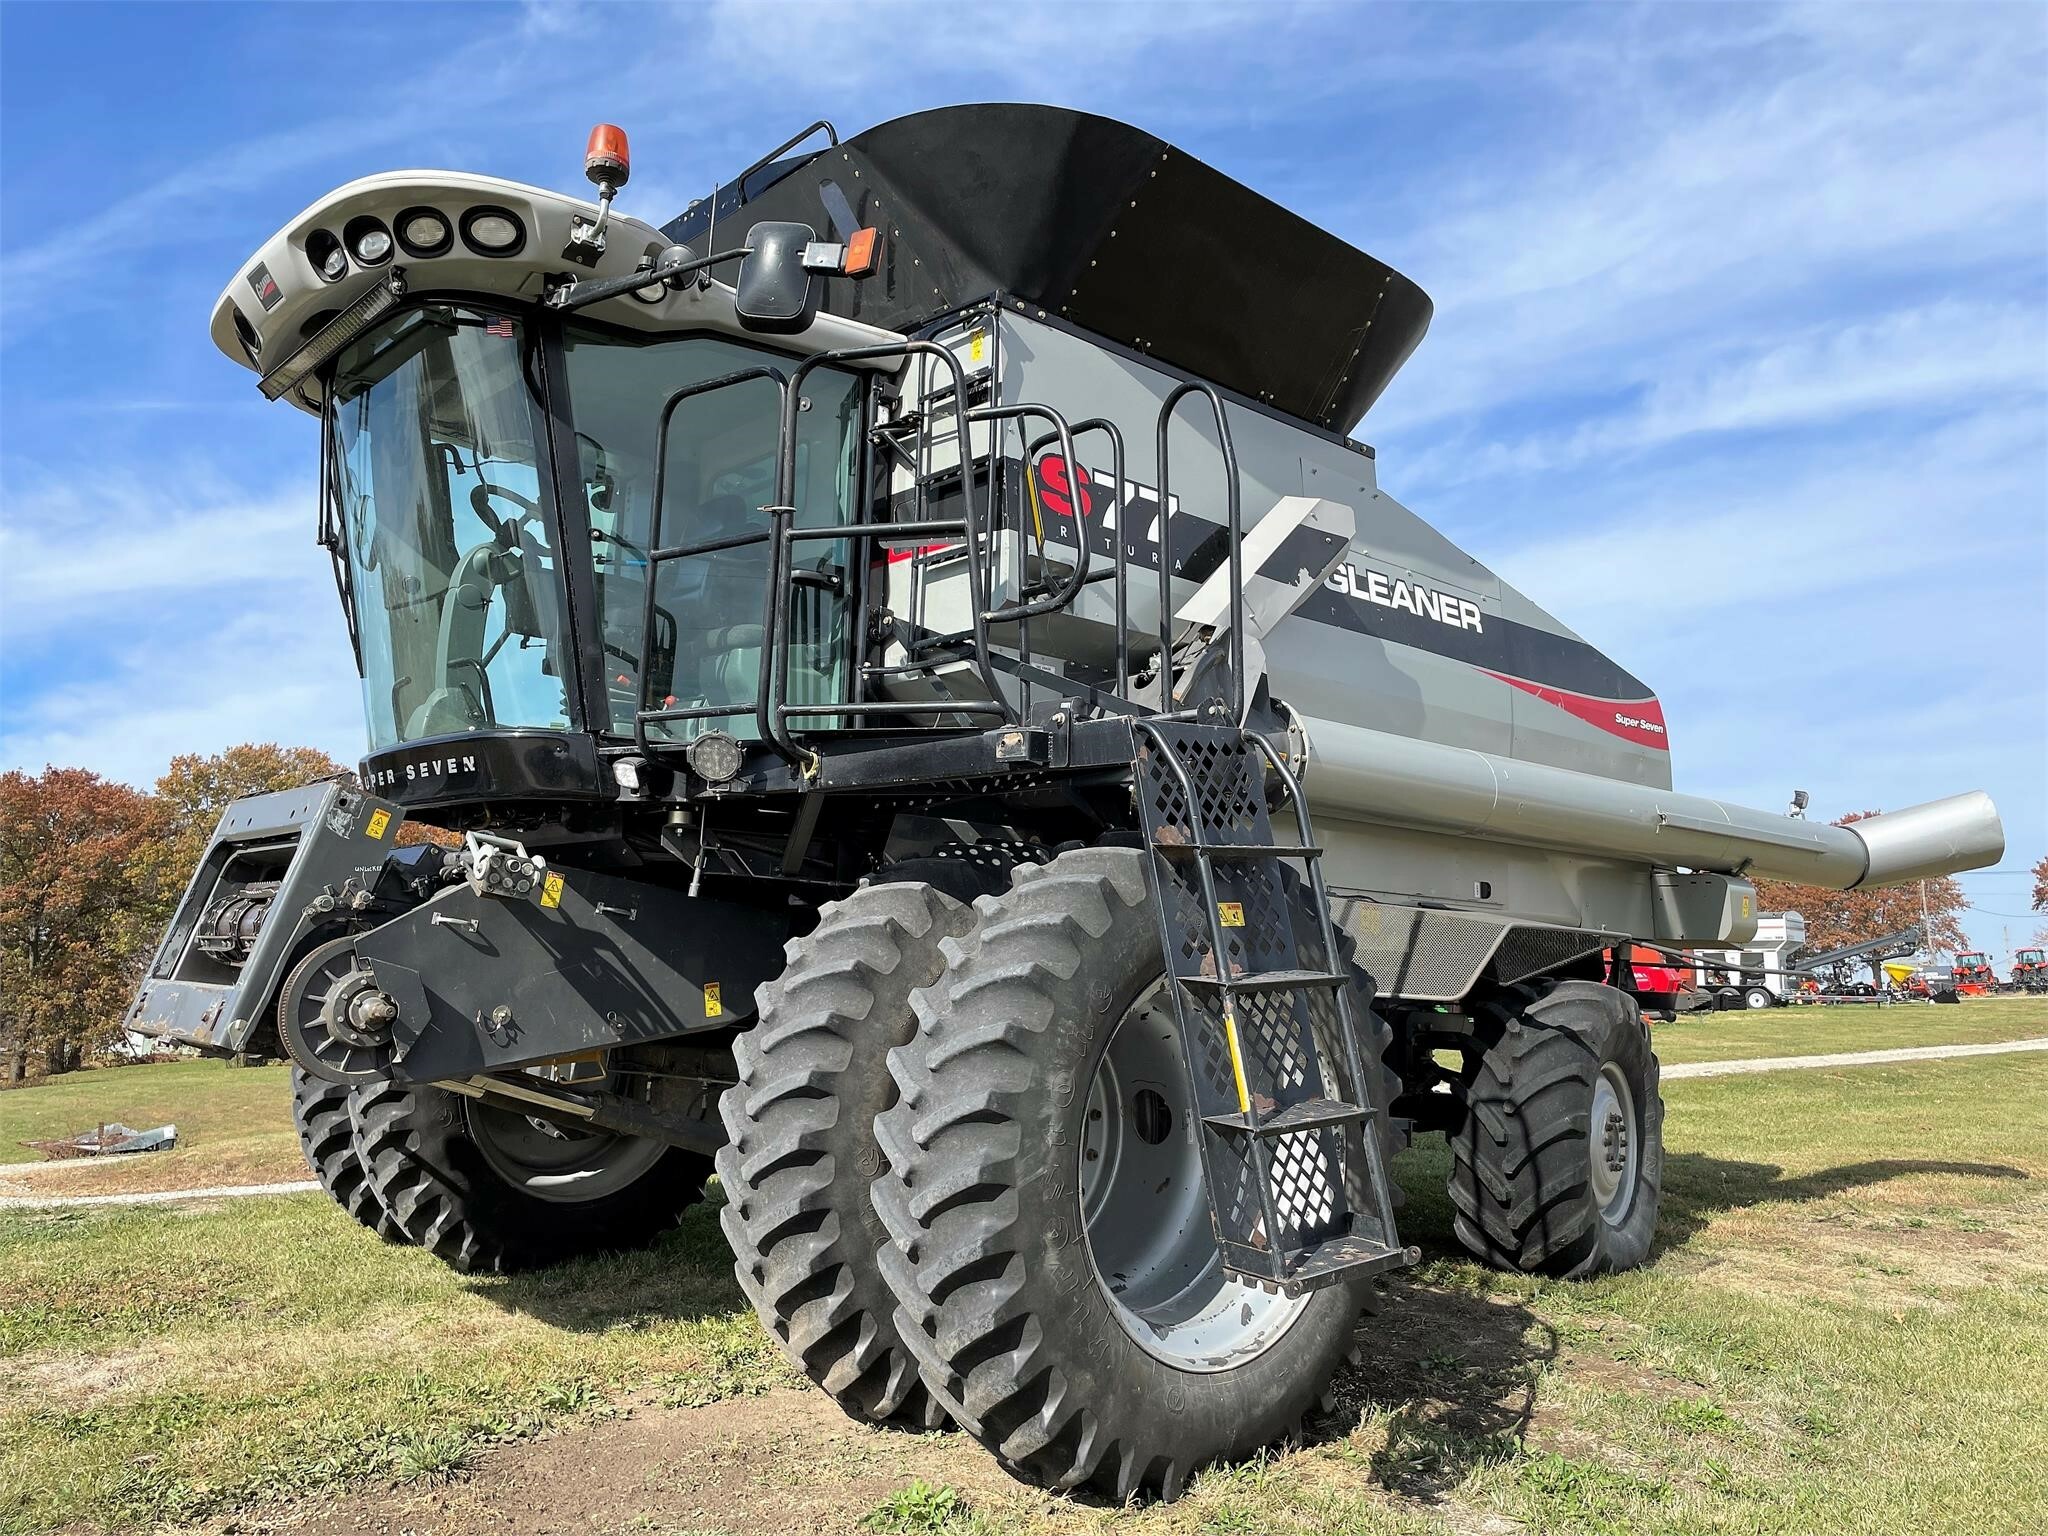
(705, 651)
(437, 476)
(443, 513)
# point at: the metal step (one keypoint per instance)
(1189, 852)
(1343, 1258)
(1268, 981)
(1308, 1115)
(1266, 1023)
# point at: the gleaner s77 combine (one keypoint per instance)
(944, 722)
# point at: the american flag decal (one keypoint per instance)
(499, 327)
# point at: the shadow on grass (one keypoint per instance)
(1697, 1187)
(1457, 1374)
(684, 1276)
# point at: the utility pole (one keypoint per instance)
(1926, 933)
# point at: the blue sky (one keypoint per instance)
(1739, 365)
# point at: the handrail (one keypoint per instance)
(1235, 525)
(740, 181)
(1119, 573)
(657, 553)
(1053, 601)
(772, 708)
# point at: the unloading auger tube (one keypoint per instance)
(1052, 890)
(1400, 779)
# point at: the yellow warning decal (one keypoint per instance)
(976, 345)
(378, 824)
(1244, 1098)
(1231, 912)
(1745, 906)
(714, 1007)
(551, 891)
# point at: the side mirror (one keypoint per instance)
(776, 293)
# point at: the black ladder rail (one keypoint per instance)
(772, 709)
(1347, 1030)
(657, 553)
(1234, 522)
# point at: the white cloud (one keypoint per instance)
(70, 550)
(1677, 200)
(181, 614)
(1947, 356)
(197, 684)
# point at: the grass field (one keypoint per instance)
(1845, 1329)
(234, 1127)
(1822, 1031)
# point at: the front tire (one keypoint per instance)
(327, 1137)
(801, 1154)
(489, 1191)
(1558, 1166)
(1756, 999)
(1079, 1325)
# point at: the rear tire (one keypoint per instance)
(801, 1154)
(1558, 1166)
(459, 1180)
(1757, 999)
(995, 1218)
(327, 1137)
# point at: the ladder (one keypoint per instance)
(1269, 1017)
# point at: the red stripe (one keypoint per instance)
(1638, 720)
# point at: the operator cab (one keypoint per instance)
(490, 473)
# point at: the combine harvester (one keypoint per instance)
(945, 722)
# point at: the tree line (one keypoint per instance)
(90, 872)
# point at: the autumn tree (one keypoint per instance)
(2041, 884)
(68, 913)
(1849, 917)
(190, 797)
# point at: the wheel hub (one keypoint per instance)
(333, 1019)
(555, 1162)
(1614, 1150)
(1145, 1205)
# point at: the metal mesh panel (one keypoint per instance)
(1528, 950)
(1427, 955)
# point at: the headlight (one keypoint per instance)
(492, 232)
(367, 240)
(713, 757)
(424, 232)
(326, 254)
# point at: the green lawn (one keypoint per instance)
(1845, 1329)
(1820, 1031)
(234, 1125)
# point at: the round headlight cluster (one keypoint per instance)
(368, 241)
(421, 232)
(326, 254)
(424, 232)
(493, 231)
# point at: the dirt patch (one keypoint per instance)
(146, 1172)
(70, 1381)
(785, 1462)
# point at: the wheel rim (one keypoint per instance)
(1615, 1147)
(558, 1163)
(1145, 1207)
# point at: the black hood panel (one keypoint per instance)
(1108, 228)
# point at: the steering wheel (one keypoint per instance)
(480, 503)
